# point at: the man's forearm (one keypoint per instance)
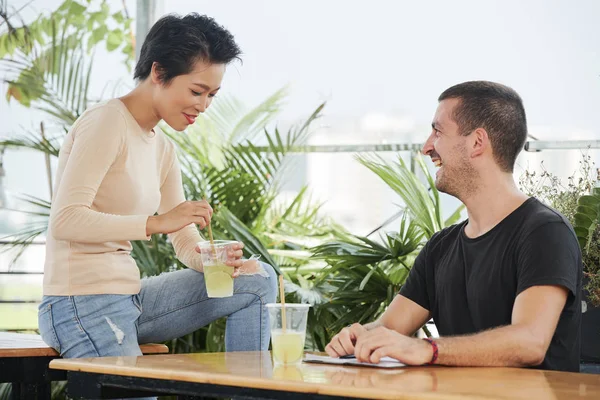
(508, 346)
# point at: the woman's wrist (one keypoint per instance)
(152, 225)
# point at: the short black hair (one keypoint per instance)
(496, 108)
(176, 43)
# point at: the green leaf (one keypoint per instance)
(97, 16)
(105, 9)
(128, 49)
(455, 217)
(97, 36)
(19, 34)
(3, 47)
(90, 24)
(365, 280)
(239, 231)
(589, 200)
(10, 45)
(114, 39)
(78, 20)
(63, 7)
(582, 220)
(254, 122)
(581, 232)
(76, 9)
(119, 17)
(399, 275)
(591, 212)
(424, 209)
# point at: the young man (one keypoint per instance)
(504, 286)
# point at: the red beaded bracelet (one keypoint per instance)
(435, 350)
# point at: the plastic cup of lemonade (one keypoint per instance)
(217, 274)
(288, 343)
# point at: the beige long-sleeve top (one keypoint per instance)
(111, 177)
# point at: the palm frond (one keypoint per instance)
(298, 218)
(236, 190)
(254, 122)
(6, 391)
(237, 230)
(22, 239)
(33, 141)
(407, 240)
(54, 79)
(39, 211)
(154, 257)
(455, 217)
(305, 291)
(266, 166)
(224, 124)
(423, 207)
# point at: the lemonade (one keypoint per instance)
(217, 274)
(288, 347)
(219, 282)
(288, 330)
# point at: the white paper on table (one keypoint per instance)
(386, 362)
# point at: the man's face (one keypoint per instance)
(448, 150)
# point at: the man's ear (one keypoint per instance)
(480, 142)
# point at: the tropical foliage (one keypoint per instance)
(364, 274)
(578, 200)
(47, 65)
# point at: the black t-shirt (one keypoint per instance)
(470, 285)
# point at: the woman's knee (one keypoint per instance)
(269, 270)
(271, 282)
(261, 282)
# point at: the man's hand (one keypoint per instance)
(343, 343)
(380, 342)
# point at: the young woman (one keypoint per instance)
(116, 170)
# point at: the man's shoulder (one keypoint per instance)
(539, 214)
(446, 236)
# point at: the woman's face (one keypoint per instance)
(186, 96)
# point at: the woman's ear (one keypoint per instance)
(155, 73)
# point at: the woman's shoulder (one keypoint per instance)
(107, 114)
(112, 107)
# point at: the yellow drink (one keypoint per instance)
(288, 347)
(219, 282)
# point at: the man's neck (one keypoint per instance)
(491, 204)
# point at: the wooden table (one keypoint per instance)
(252, 374)
(24, 362)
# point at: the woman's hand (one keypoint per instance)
(235, 252)
(188, 212)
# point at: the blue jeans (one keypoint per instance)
(168, 306)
